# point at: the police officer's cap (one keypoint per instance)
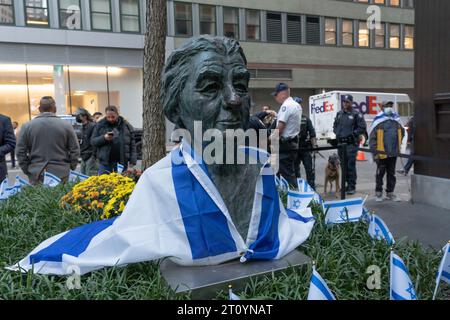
(279, 88)
(348, 97)
(385, 103)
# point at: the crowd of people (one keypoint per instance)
(50, 144)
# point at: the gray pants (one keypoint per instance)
(351, 177)
(89, 167)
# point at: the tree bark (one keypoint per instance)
(154, 129)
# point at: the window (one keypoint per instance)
(36, 13)
(6, 12)
(207, 19)
(183, 19)
(294, 29)
(330, 31)
(69, 14)
(409, 37)
(395, 3)
(231, 22)
(363, 35)
(394, 36)
(347, 32)
(252, 25)
(129, 16)
(383, 2)
(101, 15)
(274, 30)
(408, 4)
(312, 30)
(380, 36)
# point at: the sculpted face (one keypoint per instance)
(216, 93)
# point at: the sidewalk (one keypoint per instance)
(426, 224)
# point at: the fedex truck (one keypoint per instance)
(323, 108)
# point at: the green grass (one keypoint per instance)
(342, 254)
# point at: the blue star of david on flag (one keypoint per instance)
(297, 204)
(401, 285)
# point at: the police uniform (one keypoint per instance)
(290, 113)
(348, 126)
(307, 132)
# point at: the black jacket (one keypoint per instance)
(125, 135)
(7, 137)
(86, 148)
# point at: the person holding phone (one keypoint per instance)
(113, 138)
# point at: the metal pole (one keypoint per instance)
(344, 169)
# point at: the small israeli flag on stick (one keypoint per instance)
(299, 200)
(378, 230)
(303, 186)
(231, 295)
(318, 289)
(277, 181)
(77, 177)
(402, 287)
(3, 186)
(50, 180)
(120, 168)
(444, 269)
(284, 185)
(343, 211)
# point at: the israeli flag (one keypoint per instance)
(378, 230)
(3, 186)
(277, 182)
(284, 185)
(77, 177)
(318, 289)
(9, 192)
(232, 296)
(303, 186)
(50, 180)
(120, 168)
(402, 287)
(366, 215)
(299, 200)
(444, 269)
(176, 211)
(22, 182)
(343, 211)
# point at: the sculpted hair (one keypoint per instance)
(177, 67)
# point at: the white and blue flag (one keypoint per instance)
(9, 192)
(50, 180)
(382, 117)
(284, 184)
(299, 200)
(343, 211)
(378, 230)
(77, 177)
(277, 181)
(22, 182)
(444, 269)
(4, 185)
(318, 289)
(176, 211)
(402, 288)
(232, 295)
(120, 168)
(303, 186)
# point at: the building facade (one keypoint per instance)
(90, 52)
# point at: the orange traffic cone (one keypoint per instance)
(361, 156)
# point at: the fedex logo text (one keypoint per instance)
(326, 107)
(369, 106)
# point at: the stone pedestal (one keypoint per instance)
(204, 282)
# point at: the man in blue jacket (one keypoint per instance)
(7, 143)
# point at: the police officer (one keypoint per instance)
(307, 140)
(288, 125)
(349, 125)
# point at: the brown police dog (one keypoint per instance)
(332, 174)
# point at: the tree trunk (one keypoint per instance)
(154, 129)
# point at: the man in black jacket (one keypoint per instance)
(7, 143)
(87, 150)
(113, 137)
